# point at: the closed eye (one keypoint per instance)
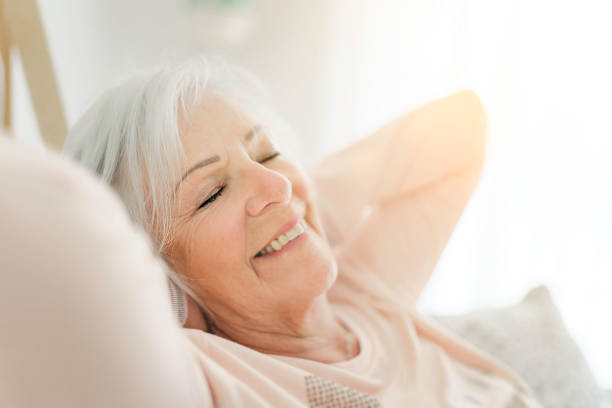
(212, 198)
(272, 156)
(218, 193)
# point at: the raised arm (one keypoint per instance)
(85, 316)
(391, 201)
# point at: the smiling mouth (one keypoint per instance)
(283, 239)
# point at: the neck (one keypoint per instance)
(312, 332)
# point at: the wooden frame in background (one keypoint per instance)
(21, 29)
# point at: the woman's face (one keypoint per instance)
(236, 197)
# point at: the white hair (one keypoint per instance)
(130, 135)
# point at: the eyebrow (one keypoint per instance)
(213, 159)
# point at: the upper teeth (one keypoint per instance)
(284, 239)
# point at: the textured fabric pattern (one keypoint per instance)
(323, 393)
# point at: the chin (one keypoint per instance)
(333, 275)
(325, 278)
(312, 283)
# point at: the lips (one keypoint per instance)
(296, 216)
(279, 242)
(285, 234)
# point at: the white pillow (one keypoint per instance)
(531, 338)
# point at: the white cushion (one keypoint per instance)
(531, 338)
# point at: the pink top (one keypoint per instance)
(402, 191)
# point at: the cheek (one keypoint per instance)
(211, 246)
(217, 245)
(214, 262)
(301, 184)
(303, 187)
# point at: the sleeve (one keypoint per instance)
(86, 320)
(391, 201)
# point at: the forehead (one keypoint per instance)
(212, 123)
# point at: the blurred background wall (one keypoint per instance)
(338, 69)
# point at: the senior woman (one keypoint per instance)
(299, 291)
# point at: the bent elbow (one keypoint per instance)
(472, 122)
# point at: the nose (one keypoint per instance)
(267, 187)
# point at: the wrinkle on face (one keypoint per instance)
(211, 246)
